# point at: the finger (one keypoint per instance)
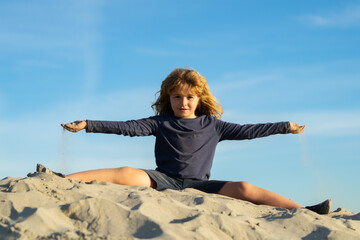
(69, 129)
(300, 129)
(69, 126)
(73, 124)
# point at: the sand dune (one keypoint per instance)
(45, 206)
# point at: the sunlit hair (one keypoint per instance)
(179, 77)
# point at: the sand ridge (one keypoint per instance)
(45, 206)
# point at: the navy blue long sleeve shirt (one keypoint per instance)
(184, 147)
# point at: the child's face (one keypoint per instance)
(184, 102)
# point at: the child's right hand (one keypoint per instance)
(74, 126)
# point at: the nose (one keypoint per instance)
(183, 101)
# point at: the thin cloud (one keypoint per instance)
(241, 79)
(316, 77)
(75, 25)
(39, 63)
(72, 35)
(198, 43)
(350, 16)
(3, 102)
(162, 52)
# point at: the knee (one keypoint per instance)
(245, 189)
(239, 190)
(124, 175)
(126, 171)
(133, 176)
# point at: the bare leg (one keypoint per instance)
(124, 176)
(248, 192)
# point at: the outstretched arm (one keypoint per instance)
(296, 128)
(74, 126)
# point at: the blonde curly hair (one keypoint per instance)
(179, 77)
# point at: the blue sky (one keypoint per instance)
(266, 61)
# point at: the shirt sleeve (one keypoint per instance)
(141, 127)
(232, 131)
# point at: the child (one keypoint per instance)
(187, 127)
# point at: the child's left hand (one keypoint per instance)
(296, 128)
(74, 126)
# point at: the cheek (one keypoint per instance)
(196, 104)
(173, 103)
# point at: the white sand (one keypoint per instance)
(49, 207)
